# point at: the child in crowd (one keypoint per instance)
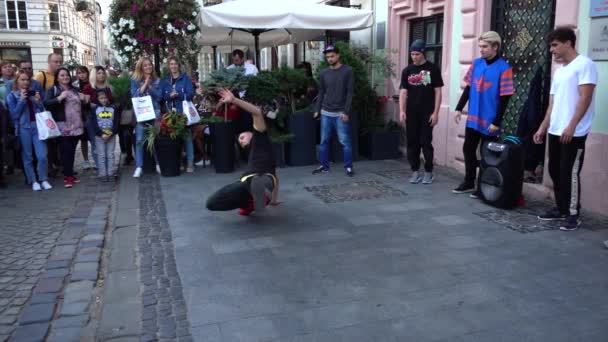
(104, 122)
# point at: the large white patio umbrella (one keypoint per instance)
(275, 22)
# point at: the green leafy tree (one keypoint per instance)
(291, 82)
(232, 79)
(137, 27)
(121, 89)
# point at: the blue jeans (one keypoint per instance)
(328, 125)
(189, 147)
(90, 136)
(29, 138)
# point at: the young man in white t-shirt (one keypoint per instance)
(568, 120)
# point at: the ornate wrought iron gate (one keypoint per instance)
(523, 26)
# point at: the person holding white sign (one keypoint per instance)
(179, 89)
(144, 82)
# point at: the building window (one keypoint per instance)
(429, 29)
(54, 17)
(15, 55)
(14, 15)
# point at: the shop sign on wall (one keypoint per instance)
(598, 39)
(599, 8)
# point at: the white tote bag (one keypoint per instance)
(191, 113)
(143, 108)
(47, 127)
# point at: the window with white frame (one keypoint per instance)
(54, 17)
(13, 15)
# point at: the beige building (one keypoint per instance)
(32, 29)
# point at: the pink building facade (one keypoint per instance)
(462, 21)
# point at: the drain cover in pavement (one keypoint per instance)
(355, 191)
(525, 220)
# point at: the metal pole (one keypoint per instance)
(214, 57)
(256, 37)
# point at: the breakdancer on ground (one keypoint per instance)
(259, 185)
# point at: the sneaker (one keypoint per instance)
(248, 210)
(68, 182)
(552, 215)
(158, 169)
(36, 186)
(92, 165)
(476, 194)
(415, 178)
(464, 188)
(570, 223)
(200, 162)
(75, 179)
(350, 172)
(137, 173)
(86, 165)
(320, 169)
(46, 185)
(190, 169)
(428, 178)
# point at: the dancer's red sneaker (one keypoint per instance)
(248, 210)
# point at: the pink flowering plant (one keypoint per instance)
(136, 26)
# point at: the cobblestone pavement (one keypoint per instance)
(50, 247)
(164, 314)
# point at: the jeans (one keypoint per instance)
(189, 147)
(91, 137)
(29, 138)
(68, 151)
(565, 165)
(473, 140)
(419, 137)
(105, 155)
(328, 125)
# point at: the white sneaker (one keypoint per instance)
(92, 164)
(200, 162)
(137, 173)
(46, 185)
(158, 169)
(36, 186)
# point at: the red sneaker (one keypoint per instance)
(68, 182)
(248, 210)
(75, 179)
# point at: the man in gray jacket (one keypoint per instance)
(334, 102)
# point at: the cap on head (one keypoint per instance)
(418, 45)
(330, 48)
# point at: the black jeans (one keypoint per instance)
(565, 165)
(239, 194)
(419, 137)
(473, 140)
(68, 151)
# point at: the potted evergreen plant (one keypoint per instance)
(166, 141)
(223, 132)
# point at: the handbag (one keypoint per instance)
(143, 108)
(191, 113)
(47, 127)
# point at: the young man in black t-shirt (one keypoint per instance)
(251, 191)
(419, 102)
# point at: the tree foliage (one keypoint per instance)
(136, 27)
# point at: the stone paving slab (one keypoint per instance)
(421, 267)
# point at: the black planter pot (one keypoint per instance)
(168, 152)
(301, 150)
(222, 146)
(279, 154)
(378, 145)
(336, 152)
(149, 162)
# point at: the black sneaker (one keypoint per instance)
(320, 169)
(464, 188)
(570, 223)
(350, 172)
(476, 194)
(552, 215)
